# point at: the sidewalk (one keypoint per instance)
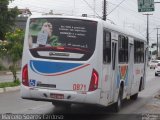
(9, 89)
(8, 72)
(6, 76)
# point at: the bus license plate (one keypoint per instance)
(57, 96)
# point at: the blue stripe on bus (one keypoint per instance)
(126, 78)
(51, 67)
(118, 79)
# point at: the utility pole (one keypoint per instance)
(157, 40)
(104, 10)
(147, 27)
(157, 36)
(147, 35)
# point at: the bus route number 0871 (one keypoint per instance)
(79, 87)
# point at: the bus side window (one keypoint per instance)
(123, 49)
(106, 47)
(138, 51)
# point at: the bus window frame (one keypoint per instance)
(106, 50)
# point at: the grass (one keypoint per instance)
(9, 84)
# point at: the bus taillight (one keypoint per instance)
(94, 81)
(25, 75)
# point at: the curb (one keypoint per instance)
(10, 73)
(9, 89)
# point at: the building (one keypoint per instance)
(22, 18)
(24, 12)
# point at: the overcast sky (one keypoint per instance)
(125, 15)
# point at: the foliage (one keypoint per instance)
(10, 84)
(3, 47)
(7, 17)
(14, 44)
(12, 47)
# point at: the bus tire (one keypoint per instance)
(118, 104)
(134, 97)
(140, 85)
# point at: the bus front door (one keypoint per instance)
(130, 69)
(114, 64)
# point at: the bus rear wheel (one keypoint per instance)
(118, 104)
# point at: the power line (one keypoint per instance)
(136, 13)
(39, 9)
(152, 31)
(92, 8)
(124, 8)
(116, 7)
(154, 19)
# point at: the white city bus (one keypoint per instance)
(81, 60)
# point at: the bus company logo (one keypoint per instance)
(58, 54)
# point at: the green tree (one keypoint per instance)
(7, 18)
(12, 48)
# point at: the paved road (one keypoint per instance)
(12, 103)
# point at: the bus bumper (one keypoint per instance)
(41, 94)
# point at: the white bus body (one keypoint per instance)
(83, 62)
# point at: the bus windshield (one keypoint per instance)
(62, 39)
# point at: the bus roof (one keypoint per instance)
(126, 31)
(108, 25)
